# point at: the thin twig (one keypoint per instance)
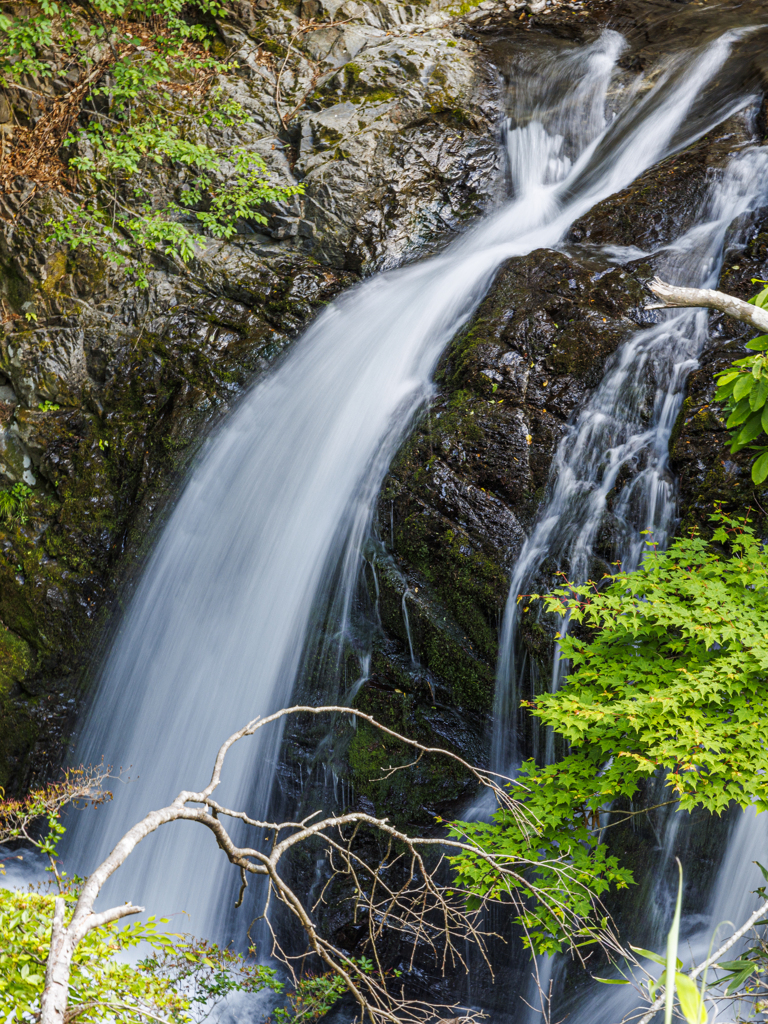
(709, 962)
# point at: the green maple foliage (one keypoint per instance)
(672, 679)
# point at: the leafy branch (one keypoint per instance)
(122, 124)
(670, 680)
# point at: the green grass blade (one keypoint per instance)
(672, 942)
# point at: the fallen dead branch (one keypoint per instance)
(401, 892)
(673, 296)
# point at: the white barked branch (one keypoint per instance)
(412, 901)
(711, 961)
(673, 296)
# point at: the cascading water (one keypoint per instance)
(283, 493)
(730, 904)
(623, 428)
(619, 426)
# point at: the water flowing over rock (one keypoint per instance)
(101, 409)
(235, 588)
(499, 411)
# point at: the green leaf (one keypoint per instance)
(739, 978)
(743, 386)
(759, 394)
(760, 469)
(610, 981)
(724, 391)
(761, 299)
(690, 999)
(739, 414)
(649, 955)
(759, 344)
(672, 941)
(751, 429)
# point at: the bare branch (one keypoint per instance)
(709, 962)
(77, 785)
(115, 914)
(673, 296)
(401, 894)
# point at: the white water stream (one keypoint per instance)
(625, 425)
(285, 488)
(731, 902)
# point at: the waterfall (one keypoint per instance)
(621, 427)
(627, 424)
(282, 493)
(730, 903)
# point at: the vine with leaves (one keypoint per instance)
(143, 139)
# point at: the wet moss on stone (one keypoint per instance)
(16, 660)
(413, 795)
(105, 418)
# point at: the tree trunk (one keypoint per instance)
(53, 1007)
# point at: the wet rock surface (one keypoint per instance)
(388, 118)
(700, 445)
(664, 201)
(401, 151)
(466, 489)
(391, 122)
(101, 415)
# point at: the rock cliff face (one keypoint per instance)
(391, 118)
(99, 420)
(467, 487)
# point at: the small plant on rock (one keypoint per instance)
(153, 159)
(14, 502)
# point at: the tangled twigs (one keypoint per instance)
(37, 153)
(77, 785)
(401, 892)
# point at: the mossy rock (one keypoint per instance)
(16, 660)
(18, 733)
(412, 793)
(106, 417)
